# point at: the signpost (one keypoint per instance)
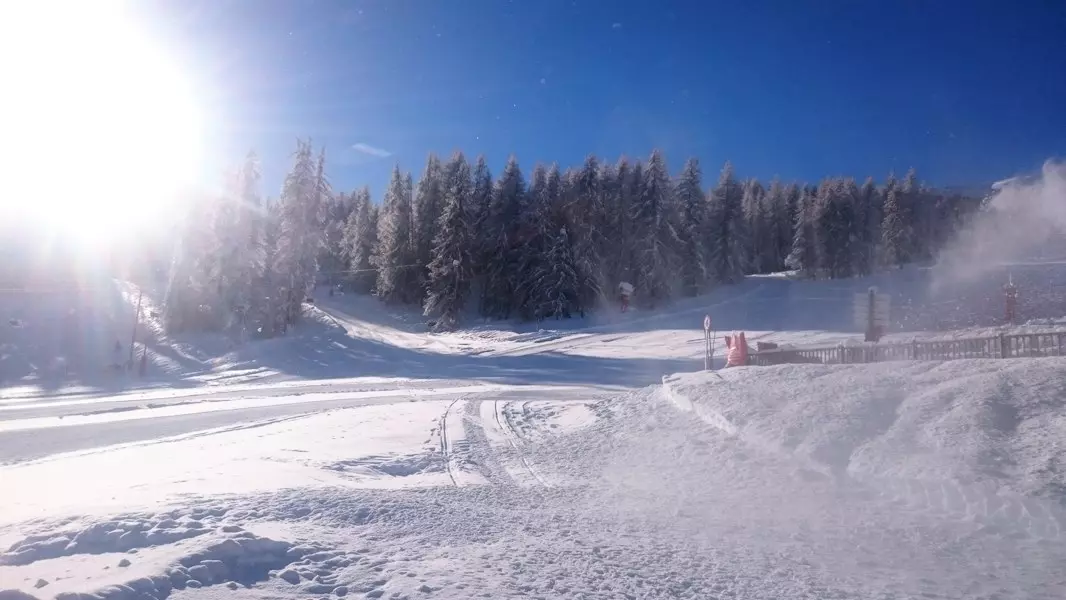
(708, 340)
(871, 311)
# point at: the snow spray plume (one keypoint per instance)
(1020, 219)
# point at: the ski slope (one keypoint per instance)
(362, 456)
(882, 481)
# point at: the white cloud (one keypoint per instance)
(371, 150)
(616, 25)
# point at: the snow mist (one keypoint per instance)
(1025, 220)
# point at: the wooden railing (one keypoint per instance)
(1024, 345)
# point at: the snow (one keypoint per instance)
(387, 446)
(365, 457)
(891, 480)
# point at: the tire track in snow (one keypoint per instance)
(513, 438)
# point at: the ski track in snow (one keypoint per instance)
(504, 423)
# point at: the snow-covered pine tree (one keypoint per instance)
(867, 227)
(630, 187)
(226, 255)
(692, 204)
(359, 239)
(501, 235)
(758, 226)
(804, 255)
(725, 236)
(191, 266)
(375, 214)
(613, 254)
(780, 226)
(919, 216)
(252, 217)
(895, 250)
(554, 192)
(271, 315)
(429, 198)
(480, 205)
(793, 195)
(557, 279)
(656, 240)
(843, 207)
(397, 276)
(835, 227)
(450, 269)
(588, 213)
(300, 236)
(530, 251)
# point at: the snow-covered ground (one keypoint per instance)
(362, 456)
(880, 481)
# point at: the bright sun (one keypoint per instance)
(106, 129)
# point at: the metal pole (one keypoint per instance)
(871, 336)
(136, 321)
(713, 335)
(706, 350)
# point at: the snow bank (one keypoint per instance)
(982, 438)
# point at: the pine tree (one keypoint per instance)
(480, 207)
(692, 205)
(359, 241)
(630, 186)
(301, 229)
(867, 227)
(834, 226)
(918, 216)
(397, 278)
(532, 226)
(780, 225)
(804, 255)
(427, 211)
(502, 236)
(656, 239)
(588, 213)
(451, 268)
(894, 243)
(618, 188)
(726, 238)
(557, 279)
(252, 219)
(272, 310)
(758, 227)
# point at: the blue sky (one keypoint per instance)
(966, 91)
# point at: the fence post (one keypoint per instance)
(1004, 346)
(914, 349)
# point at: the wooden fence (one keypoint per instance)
(1025, 345)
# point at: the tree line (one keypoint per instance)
(553, 244)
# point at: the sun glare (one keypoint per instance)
(106, 128)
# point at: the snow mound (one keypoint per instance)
(976, 438)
